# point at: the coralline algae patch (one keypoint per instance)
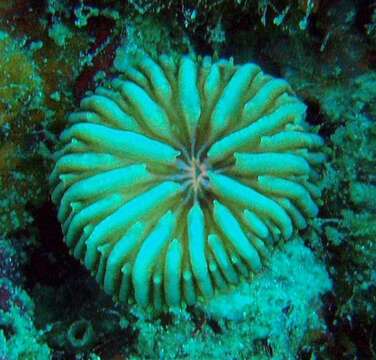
(21, 99)
(20, 83)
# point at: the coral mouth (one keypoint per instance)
(193, 175)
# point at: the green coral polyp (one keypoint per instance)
(175, 182)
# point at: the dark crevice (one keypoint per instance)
(316, 118)
(50, 262)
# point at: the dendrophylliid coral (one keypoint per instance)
(175, 182)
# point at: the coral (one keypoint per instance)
(324, 49)
(196, 167)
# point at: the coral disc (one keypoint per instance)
(175, 181)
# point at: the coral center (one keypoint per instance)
(198, 172)
(194, 175)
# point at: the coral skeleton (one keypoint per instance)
(176, 181)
